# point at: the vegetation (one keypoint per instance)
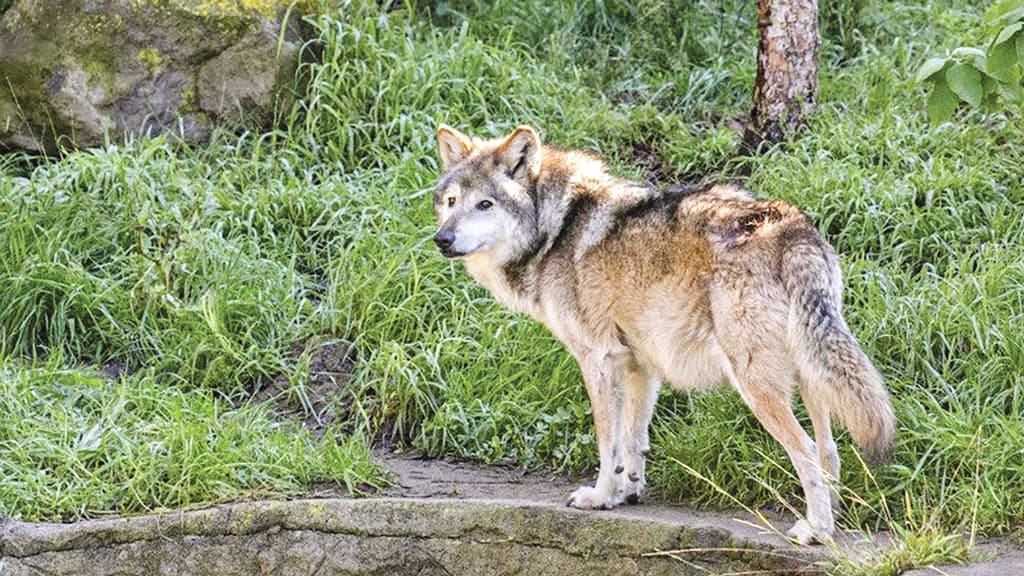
(220, 8)
(976, 76)
(205, 272)
(75, 444)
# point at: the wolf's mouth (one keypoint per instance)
(452, 253)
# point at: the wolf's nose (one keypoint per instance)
(444, 239)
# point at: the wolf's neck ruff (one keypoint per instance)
(577, 203)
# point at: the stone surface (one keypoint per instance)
(78, 71)
(395, 536)
(441, 518)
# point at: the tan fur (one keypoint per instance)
(693, 290)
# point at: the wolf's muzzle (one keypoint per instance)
(444, 240)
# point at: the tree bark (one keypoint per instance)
(786, 87)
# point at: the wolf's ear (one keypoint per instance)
(519, 155)
(453, 146)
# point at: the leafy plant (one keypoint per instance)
(981, 78)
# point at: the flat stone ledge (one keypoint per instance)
(400, 536)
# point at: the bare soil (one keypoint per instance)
(316, 403)
(416, 477)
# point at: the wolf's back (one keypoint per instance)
(838, 367)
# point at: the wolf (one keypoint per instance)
(691, 288)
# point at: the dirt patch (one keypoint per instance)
(114, 369)
(315, 401)
(416, 477)
(646, 157)
(659, 174)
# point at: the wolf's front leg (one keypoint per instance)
(602, 374)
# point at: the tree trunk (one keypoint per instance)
(786, 87)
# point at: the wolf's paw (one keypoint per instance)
(631, 486)
(590, 498)
(803, 533)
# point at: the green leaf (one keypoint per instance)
(1020, 50)
(990, 87)
(970, 54)
(1008, 32)
(1002, 62)
(965, 81)
(1006, 10)
(1006, 15)
(931, 68)
(1010, 91)
(941, 102)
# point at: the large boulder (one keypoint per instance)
(77, 71)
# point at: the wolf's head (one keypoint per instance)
(485, 201)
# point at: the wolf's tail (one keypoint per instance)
(826, 349)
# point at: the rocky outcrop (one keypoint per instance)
(395, 537)
(79, 71)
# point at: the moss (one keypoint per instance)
(189, 100)
(231, 8)
(45, 16)
(57, 36)
(90, 43)
(97, 57)
(265, 8)
(152, 60)
(241, 524)
(22, 87)
(316, 511)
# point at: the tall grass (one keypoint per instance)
(76, 444)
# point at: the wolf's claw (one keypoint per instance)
(802, 533)
(590, 498)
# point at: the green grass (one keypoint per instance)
(909, 550)
(77, 444)
(204, 268)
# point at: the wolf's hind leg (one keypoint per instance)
(639, 397)
(759, 385)
(828, 454)
(603, 376)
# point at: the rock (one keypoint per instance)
(227, 95)
(77, 71)
(397, 537)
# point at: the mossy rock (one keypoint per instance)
(76, 72)
(397, 537)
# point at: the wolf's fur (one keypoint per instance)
(690, 289)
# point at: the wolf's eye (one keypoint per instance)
(484, 205)
(451, 201)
